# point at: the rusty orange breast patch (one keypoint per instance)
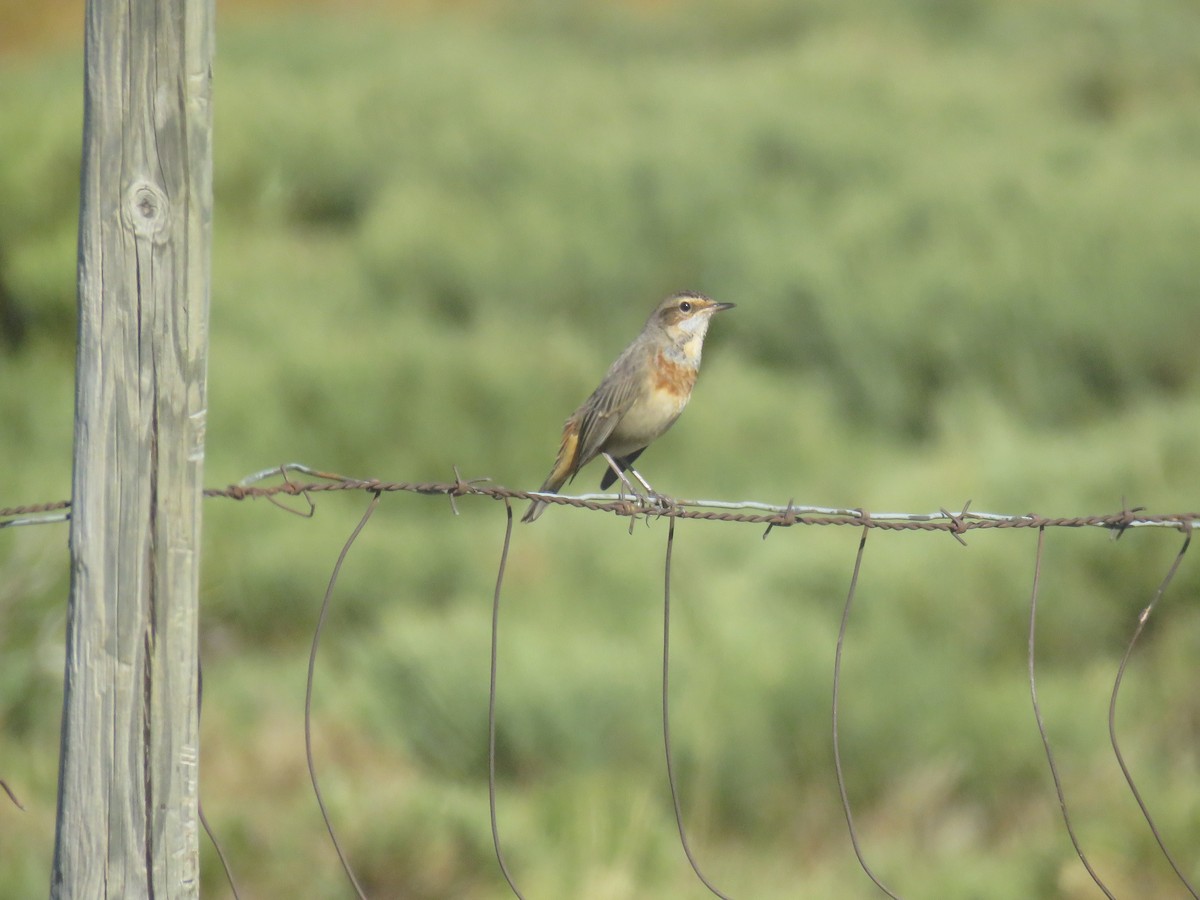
(673, 377)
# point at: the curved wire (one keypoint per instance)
(1041, 725)
(666, 714)
(492, 701)
(212, 835)
(217, 846)
(1112, 710)
(837, 753)
(308, 694)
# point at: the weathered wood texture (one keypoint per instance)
(127, 803)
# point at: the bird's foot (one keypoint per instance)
(650, 506)
(656, 503)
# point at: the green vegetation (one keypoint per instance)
(962, 238)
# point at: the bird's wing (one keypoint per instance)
(604, 409)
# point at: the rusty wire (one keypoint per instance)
(308, 693)
(1041, 724)
(666, 718)
(1143, 617)
(837, 747)
(746, 511)
(723, 511)
(204, 823)
(494, 668)
(36, 514)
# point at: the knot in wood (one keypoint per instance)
(147, 210)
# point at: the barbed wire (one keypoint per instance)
(956, 524)
(749, 512)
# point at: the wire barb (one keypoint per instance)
(1128, 517)
(462, 487)
(305, 514)
(957, 526)
(787, 520)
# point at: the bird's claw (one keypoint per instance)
(648, 506)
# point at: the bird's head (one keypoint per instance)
(685, 316)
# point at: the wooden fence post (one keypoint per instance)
(128, 777)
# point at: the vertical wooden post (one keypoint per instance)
(127, 807)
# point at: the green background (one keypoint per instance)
(963, 241)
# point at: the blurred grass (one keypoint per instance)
(963, 249)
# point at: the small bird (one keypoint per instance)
(640, 397)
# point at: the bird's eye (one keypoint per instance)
(685, 306)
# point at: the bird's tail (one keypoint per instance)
(564, 468)
(535, 510)
(550, 486)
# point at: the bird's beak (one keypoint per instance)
(717, 307)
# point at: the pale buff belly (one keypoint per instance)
(645, 421)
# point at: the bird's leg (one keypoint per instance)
(625, 485)
(660, 500)
(643, 501)
(642, 481)
(649, 500)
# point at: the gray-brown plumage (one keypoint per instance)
(640, 397)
